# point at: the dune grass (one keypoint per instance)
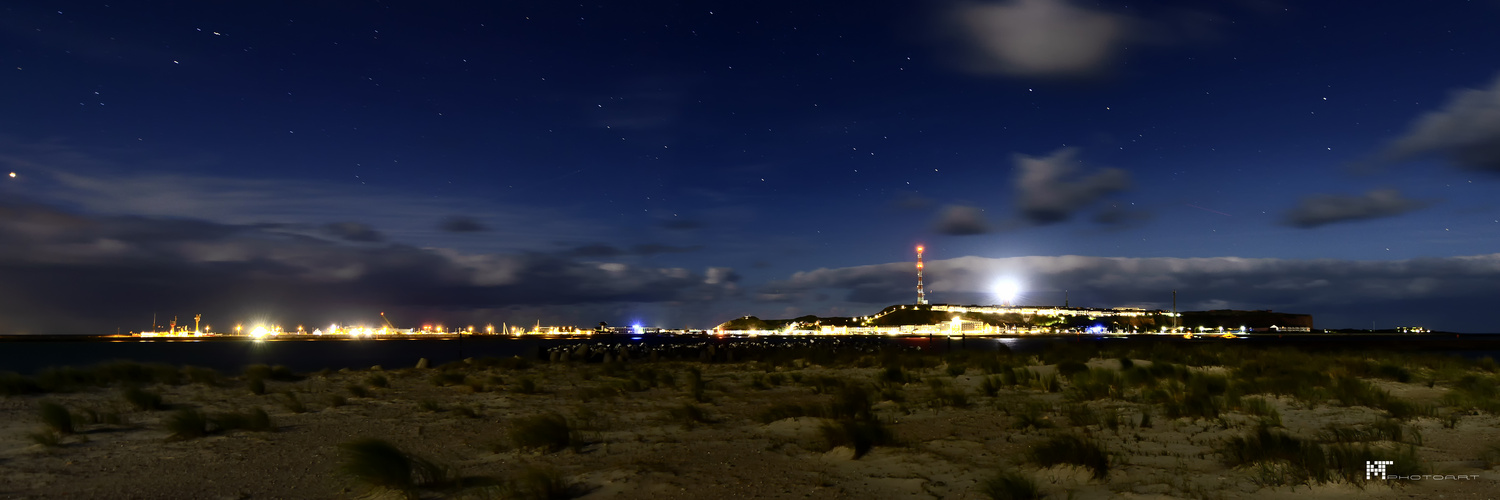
(383, 468)
(1071, 449)
(859, 435)
(188, 423)
(1011, 485)
(56, 417)
(142, 399)
(547, 432)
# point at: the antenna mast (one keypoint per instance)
(921, 295)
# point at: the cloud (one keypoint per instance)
(66, 176)
(1037, 38)
(63, 272)
(462, 224)
(1466, 131)
(1049, 190)
(961, 220)
(1322, 209)
(353, 231)
(1457, 287)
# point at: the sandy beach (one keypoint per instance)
(937, 427)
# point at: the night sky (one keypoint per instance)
(679, 164)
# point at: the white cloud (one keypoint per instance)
(1039, 38)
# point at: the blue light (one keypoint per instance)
(1097, 328)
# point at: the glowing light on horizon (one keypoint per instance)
(1007, 291)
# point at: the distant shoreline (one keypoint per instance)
(306, 338)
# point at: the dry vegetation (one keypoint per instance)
(830, 420)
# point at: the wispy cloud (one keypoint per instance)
(1322, 209)
(1051, 189)
(1466, 131)
(63, 176)
(961, 220)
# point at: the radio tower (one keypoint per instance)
(921, 295)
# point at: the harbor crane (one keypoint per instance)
(388, 322)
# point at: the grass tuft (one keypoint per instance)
(382, 466)
(142, 399)
(1071, 449)
(1011, 485)
(547, 433)
(56, 417)
(46, 437)
(860, 435)
(292, 403)
(187, 423)
(689, 415)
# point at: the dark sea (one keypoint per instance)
(27, 356)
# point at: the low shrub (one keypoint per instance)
(467, 412)
(292, 403)
(689, 415)
(257, 386)
(446, 378)
(377, 380)
(547, 433)
(56, 417)
(1280, 458)
(525, 385)
(187, 423)
(1030, 416)
(46, 437)
(142, 399)
(1011, 485)
(860, 435)
(1071, 449)
(382, 466)
(782, 411)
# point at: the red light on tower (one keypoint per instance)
(921, 295)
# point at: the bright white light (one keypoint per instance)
(1007, 291)
(259, 332)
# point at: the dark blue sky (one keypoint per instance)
(680, 164)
